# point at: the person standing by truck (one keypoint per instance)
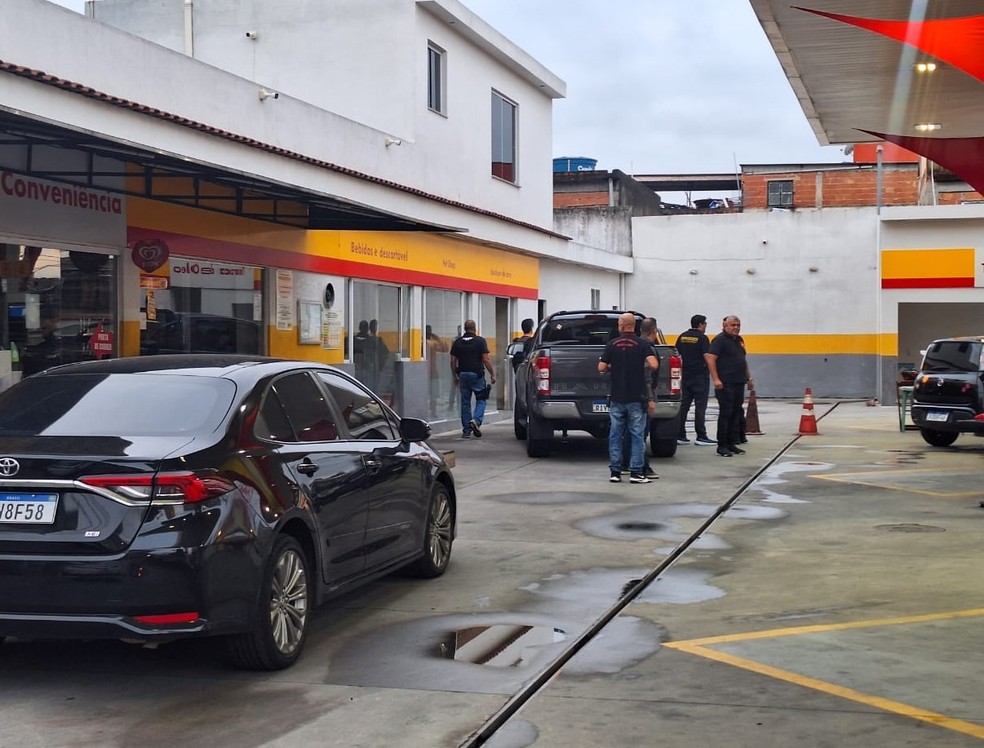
(648, 330)
(469, 360)
(695, 386)
(625, 359)
(729, 373)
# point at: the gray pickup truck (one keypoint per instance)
(558, 387)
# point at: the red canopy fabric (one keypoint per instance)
(956, 41)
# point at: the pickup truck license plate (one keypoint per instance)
(28, 508)
(937, 416)
(599, 406)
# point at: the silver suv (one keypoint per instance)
(948, 392)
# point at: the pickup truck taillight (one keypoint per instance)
(676, 374)
(541, 372)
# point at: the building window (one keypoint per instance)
(436, 78)
(595, 298)
(208, 307)
(781, 193)
(503, 138)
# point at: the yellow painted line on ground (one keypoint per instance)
(895, 707)
(701, 648)
(894, 484)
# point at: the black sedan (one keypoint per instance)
(155, 498)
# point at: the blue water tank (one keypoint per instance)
(573, 163)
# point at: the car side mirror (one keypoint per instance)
(414, 430)
(516, 348)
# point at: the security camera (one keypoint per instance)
(265, 94)
(254, 35)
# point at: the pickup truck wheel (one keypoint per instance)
(519, 424)
(662, 447)
(938, 438)
(535, 447)
(663, 436)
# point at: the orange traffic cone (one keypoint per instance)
(752, 416)
(808, 421)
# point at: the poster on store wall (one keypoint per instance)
(332, 333)
(285, 300)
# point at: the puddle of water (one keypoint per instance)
(775, 475)
(658, 521)
(417, 654)
(626, 641)
(744, 511)
(586, 590)
(516, 733)
(500, 644)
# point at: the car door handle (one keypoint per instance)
(371, 462)
(307, 468)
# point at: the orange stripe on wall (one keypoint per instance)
(918, 263)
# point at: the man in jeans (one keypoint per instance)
(625, 359)
(469, 361)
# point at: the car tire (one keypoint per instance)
(281, 624)
(938, 438)
(438, 536)
(519, 424)
(663, 437)
(535, 447)
(662, 447)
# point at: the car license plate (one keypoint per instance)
(28, 508)
(937, 416)
(599, 406)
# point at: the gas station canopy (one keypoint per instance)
(903, 71)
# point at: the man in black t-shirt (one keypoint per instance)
(625, 358)
(695, 387)
(729, 373)
(470, 360)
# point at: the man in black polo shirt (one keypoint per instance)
(625, 358)
(469, 361)
(695, 387)
(729, 373)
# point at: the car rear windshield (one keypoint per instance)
(583, 330)
(953, 355)
(115, 405)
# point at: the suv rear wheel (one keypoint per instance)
(938, 438)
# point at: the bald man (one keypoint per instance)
(625, 359)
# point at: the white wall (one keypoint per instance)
(782, 297)
(568, 286)
(366, 61)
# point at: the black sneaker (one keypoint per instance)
(703, 441)
(736, 450)
(615, 478)
(638, 478)
(724, 453)
(475, 429)
(650, 473)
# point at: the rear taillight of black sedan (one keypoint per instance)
(169, 489)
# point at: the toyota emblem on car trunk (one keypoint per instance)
(8, 466)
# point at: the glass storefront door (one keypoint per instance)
(442, 325)
(56, 306)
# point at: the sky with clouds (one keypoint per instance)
(659, 86)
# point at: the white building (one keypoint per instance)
(363, 160)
